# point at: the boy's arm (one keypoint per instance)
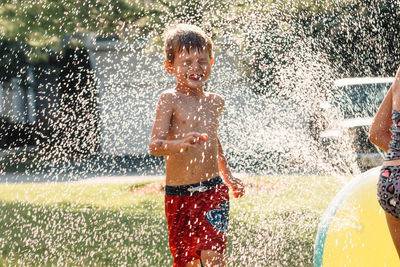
(159, 145)
(235, 183)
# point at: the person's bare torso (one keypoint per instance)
(194, 113)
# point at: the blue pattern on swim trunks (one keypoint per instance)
(394, 146)
(219, 217)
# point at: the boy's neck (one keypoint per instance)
(190, 91)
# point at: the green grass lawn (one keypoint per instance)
(69, 224)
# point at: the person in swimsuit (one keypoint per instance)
(385, 133)
(185, 133)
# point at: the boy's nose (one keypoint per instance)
(195, 65)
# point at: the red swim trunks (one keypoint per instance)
(197, 216)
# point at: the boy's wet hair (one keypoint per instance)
(185, 36)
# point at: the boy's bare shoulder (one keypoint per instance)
(168, 96)
(168, 93)
(217, 98)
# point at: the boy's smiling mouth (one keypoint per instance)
(196, 77)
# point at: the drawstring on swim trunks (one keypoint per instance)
(200, 188)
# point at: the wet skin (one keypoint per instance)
(186, 124)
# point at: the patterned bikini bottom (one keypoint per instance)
(389, 190)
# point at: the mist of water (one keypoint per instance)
(274, 76)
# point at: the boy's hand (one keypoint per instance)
(192, 139)
(236, 186)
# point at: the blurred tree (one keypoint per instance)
(360, 38)
(43, 22)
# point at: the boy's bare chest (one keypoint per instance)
(196, 115)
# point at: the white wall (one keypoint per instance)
(130, 82)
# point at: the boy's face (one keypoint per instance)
(191, 69)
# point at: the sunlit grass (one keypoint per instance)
(70, 224)
(295, 192)
(105, 195)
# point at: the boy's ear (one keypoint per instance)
(168, 66)
(211, 61)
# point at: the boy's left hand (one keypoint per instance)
(237, 186)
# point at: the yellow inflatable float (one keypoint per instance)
(353, 229)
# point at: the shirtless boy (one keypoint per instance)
(185, 132)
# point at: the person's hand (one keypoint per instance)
(192, 139)
(237, 186)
